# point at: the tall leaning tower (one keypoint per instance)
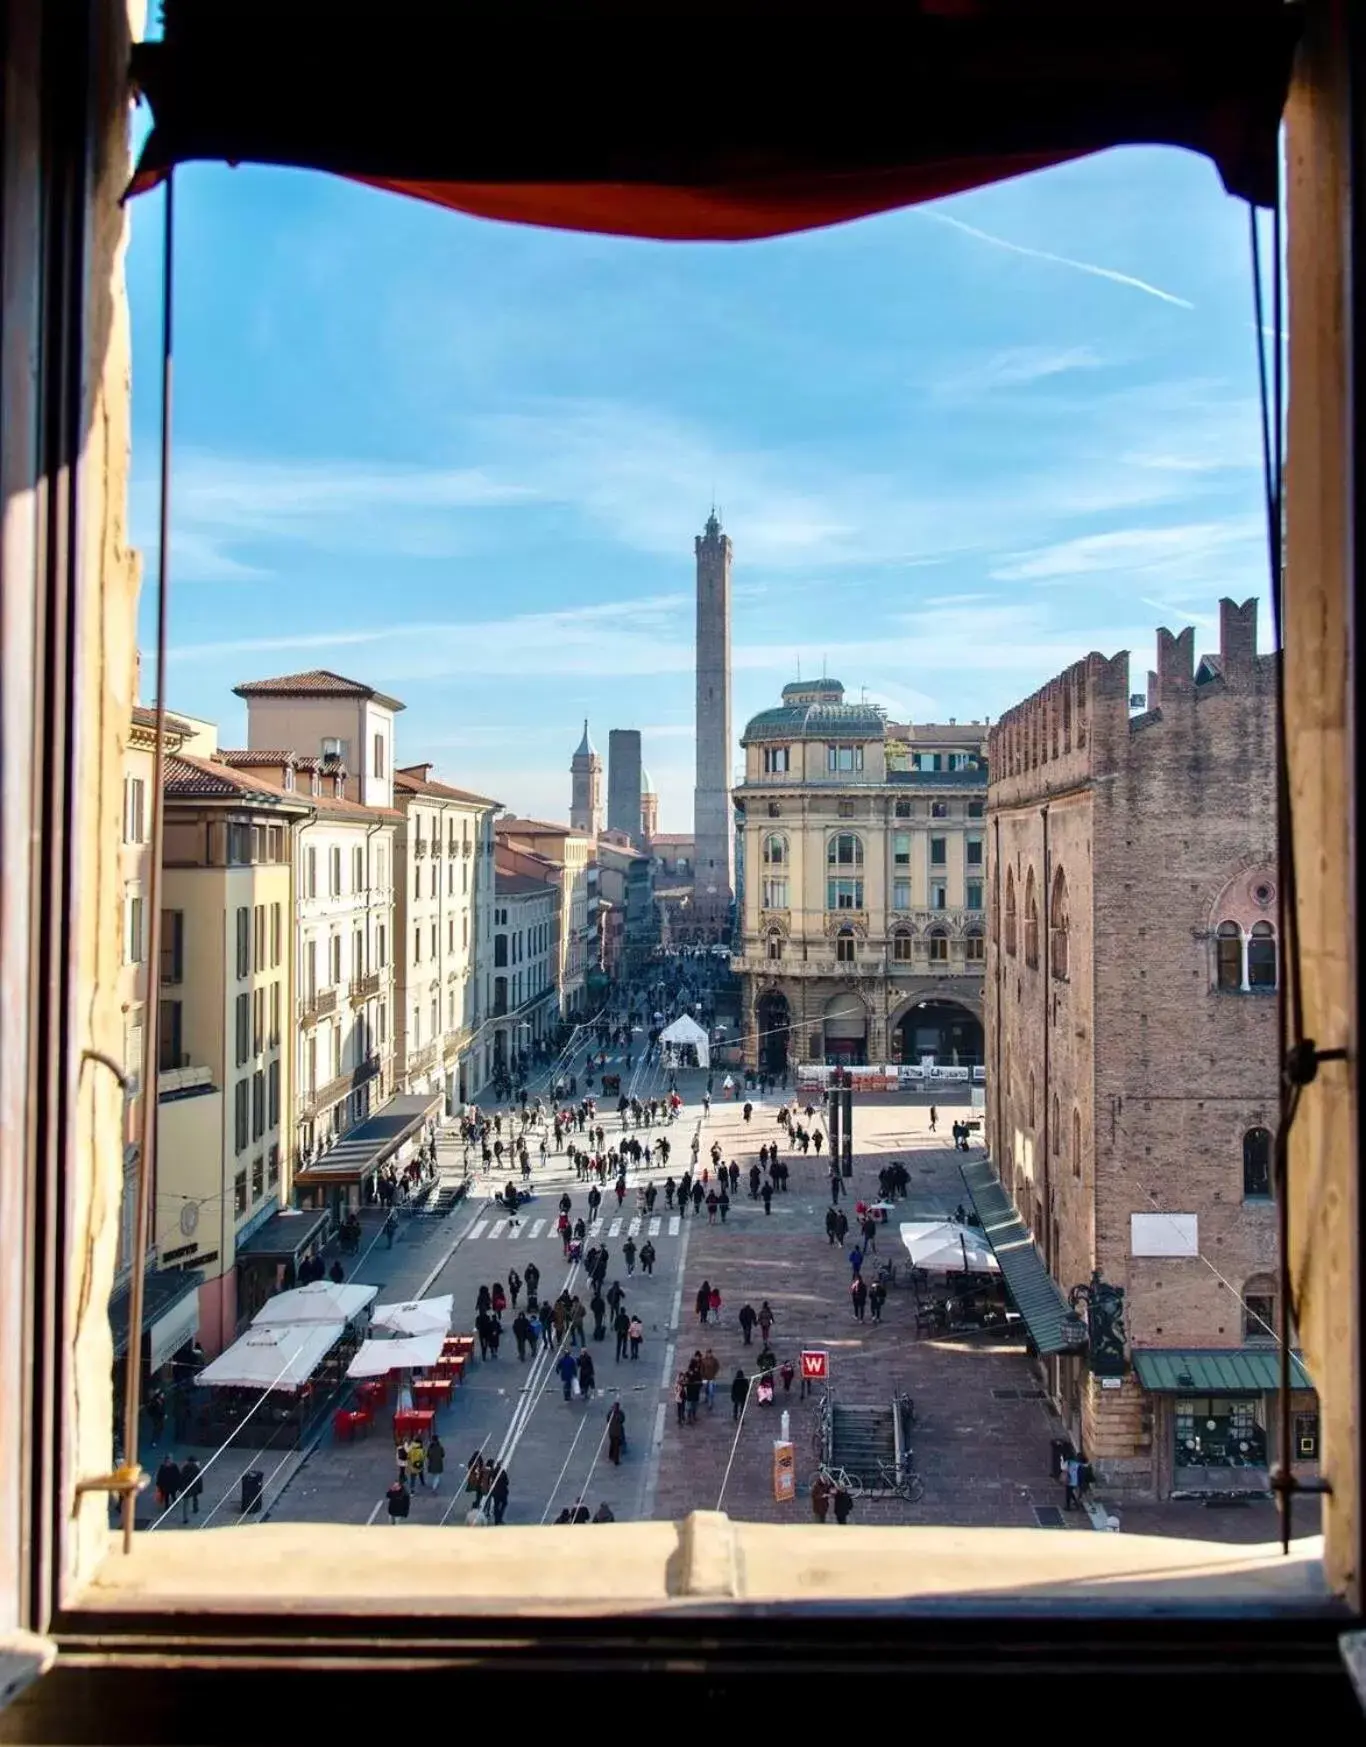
(585, 769)
(713, 888)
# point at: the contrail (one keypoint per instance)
(1060, 260)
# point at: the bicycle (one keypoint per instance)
(840, 1478)
(903, 1482)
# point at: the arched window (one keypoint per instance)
(1055, 1126)
(939, 946)
(974, 946)
(901, 945)
(1057, 926)
(774, 942)
(1261, 956)
(845, 850)
(775, 850)
(1031, 1098)
(844, 946)
(1228, 956)
(1010, 911)
(1257, 1163)
(1259, 1309)
(1076, 1142)
(1031, 923)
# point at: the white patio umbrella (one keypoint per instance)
(319, 1301)
(418, 1316)
(945, 1246)
(378, 1358)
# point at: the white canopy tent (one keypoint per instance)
(319, 1301)
(274, 1358)
(945, 1246)
(687, 1031)
(419, 1316)
(378, 1358)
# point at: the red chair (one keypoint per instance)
(346, 1422)
(415, 1422)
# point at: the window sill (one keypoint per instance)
(707, 1560)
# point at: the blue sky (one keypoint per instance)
(955, 447)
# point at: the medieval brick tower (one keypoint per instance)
(585, 808)
(713, 890)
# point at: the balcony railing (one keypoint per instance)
(363, 987)
(318, 1005)
(419, 1060)
(335, 1090)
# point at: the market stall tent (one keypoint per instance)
(319, 1301)
(378, 1358)
(945, 1245)
(419, 1316)
(687, 1031)
(283, 1357)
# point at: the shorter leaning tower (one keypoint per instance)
(585, 807)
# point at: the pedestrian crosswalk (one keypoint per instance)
(529, 1230)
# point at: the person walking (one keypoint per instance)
(567, 1371)
(514, 1285)
(681, 1396)
(855, 1260)
(647, 1257)
(858, 1292)
(747, 1322)
(398, 1502)
(628, 1250)
(711, 1367)
(703, 1301)
(635, 1333)
(621, 1328)
(191, 1488)
(714, 1304)
(821, 1491)
(844, 1505)
(934, 1119)
(831, 1221)
(739, 1394)
(587, 1375)
(877, 1297)
(693, 1392)
(417, 1463)
(766, 1194)
(498, 1492)
(167, 1482)
(766, 1320)
(436, 1462)
(616, 1434)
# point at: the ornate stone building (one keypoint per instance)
(863, 925)
(1132, 977)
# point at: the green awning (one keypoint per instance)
(1216, 1370)
(1052, 1326)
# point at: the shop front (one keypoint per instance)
(1215, 1419)
(268, 1258)
(342, 1178)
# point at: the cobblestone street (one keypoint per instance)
(983, 1426)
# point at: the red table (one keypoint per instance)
(452, 1367)
(433, 1392)
(346, 1422)
(374, 1393)
(457, 1347)
(415, 1422)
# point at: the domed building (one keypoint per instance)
(863, 893)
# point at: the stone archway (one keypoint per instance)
(944, 1029)
(773, 1025)
(844, 1026)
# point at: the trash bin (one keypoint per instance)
(253, 1485)
(1061, 1449)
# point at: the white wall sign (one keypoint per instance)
(1164, 1234)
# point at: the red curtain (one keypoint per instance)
(708, 122)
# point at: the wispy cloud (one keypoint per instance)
(1090, 267)
(1186, 549)
(1014, 367)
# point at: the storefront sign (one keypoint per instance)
(784, 1471)
(815, 1366)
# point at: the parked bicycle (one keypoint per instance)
(901, 1482)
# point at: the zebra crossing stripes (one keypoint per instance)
(633, 1229)
(505, 1230)
(496, 1229)
(535, 1230)
(614, 1229)
(654, 1226)
(675, 1224)
(477, 1229)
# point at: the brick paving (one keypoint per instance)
(984, 1459)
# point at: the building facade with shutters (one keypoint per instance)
(1133, 1047)
(864, 895)
(444, 905)
(568, 853)
(526, 1009)
(226, 1029)
(331, 740)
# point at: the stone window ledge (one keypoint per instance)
(271, 1569)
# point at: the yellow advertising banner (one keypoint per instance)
(784, 1471)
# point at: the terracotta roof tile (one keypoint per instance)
(248, 755)
(415, 785)
(318, 682)
(147, 718)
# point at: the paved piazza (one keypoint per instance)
(983, 1425)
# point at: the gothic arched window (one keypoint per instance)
(1257, 1163)
(1010, 911)
(1058, 927)
(1031, 923)
(775, 850)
